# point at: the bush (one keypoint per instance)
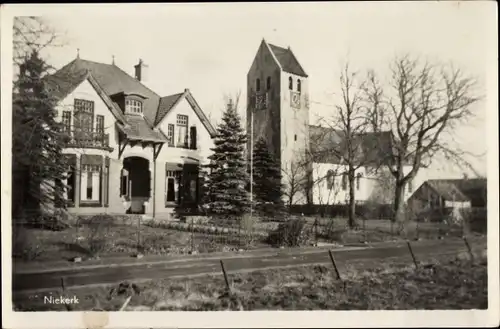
(23, 246)
(99, 227)
(293, 233)
(332, 231)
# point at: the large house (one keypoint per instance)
(130, 150)
(279, 111)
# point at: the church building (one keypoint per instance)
(279, 109)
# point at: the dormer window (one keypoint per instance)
(290, 83)
(298, 85)
(133, 106)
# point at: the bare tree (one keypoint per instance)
(348, 124)
(33, 34)
(421, 105)
(293, 181)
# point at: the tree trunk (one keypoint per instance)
(399, 211)
(352, 199)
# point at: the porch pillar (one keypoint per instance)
(150, 202)
(77, 178)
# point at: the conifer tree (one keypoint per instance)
(226, 186)
(267, 187)
(38, 166)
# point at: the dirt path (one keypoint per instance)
(178, 267)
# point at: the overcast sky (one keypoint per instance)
(209, 47)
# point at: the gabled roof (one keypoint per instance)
(113, 80)
(447, 190)
(475, 189)
(168, 103)
(287, 60)
(327, 145)
(63, 84)
(109, 80)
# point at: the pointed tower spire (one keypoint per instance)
(77, 52)
(113, 60)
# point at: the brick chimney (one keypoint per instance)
(141, 71)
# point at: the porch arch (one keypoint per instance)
(136, 185)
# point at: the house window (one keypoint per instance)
(344, 182)
(84, 117)
(192, 138)
(182, 132)
(257, 85)
(290, 83)
(99, 125)
(124, 183)
(70, 184)
(133, 106)
(268, 83)
(66, 121)
(358, 181)
(299, 87)
(330, 179)
(170, 134)
(170, 189)
(172, 179)
(90, 183)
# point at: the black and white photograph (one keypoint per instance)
(208, 157)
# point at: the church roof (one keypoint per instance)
(328, 145)
(110, 80)
(287, 60)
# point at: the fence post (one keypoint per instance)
(225, 276)
(417, 228)
(138, 234)
(239, 233)
(334, 265)
(469, 249)
(315, 231)
(412, 254)
(192, 235)
(68, 307)
(364, 229)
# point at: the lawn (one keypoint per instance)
(117, 239)
(448, 282)
(169, 238)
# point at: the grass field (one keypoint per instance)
(123, 239)
(446, 282)
(45, 245)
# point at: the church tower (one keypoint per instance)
(278, 105)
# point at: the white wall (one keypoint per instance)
(369, 184)
(204, 142)
(86, 91)
(167, 154)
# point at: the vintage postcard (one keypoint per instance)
(230, 165)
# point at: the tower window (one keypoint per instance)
(257, 85)
(290, 83)
(268, 83)
(298, 85)
(295, 137)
